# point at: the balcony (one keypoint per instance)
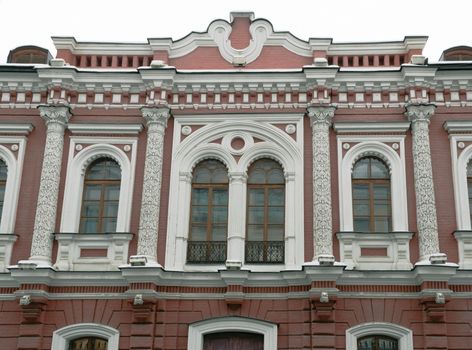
(265, 252)
(206, 252)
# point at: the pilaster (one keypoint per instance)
(321, 117)
(419, 114)
(56, 118)
(156, 122)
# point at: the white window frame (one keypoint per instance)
(197, 146)
(76, 167)
(62, 337)
(198, 330)
(402, 334)
(373, 146)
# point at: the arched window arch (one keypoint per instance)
(100, 197)
(265, 224)
(371, 199)
(3, 184)
(379, 336)
(208, 229)
(85, 334)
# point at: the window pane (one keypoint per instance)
(381, 191)
(361, 224)
(2, 191)
(200, 196)
(110, 209)
(112, 192)
(378, 169)
(382, 224)
(220, 214)
(210, 171)
(220, 197)
(91, 209)
(256, 196)
(109, 225)
(276, 176)
(199, 214)
(361, 169)
(3, 171)
(257, 177)
(202, 176)
(95, 172)
(361, 209)
(92, 192)
(276, 215)
(219, 233)
(256, 215)
(276, 196)
(114, 171)
(219, 176)
(89, 226)
(255, 232)
(360, 191)
(381, 208)
(198, 233)
(276, 233)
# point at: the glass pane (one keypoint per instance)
(276, 176)
(381, 191)
(220, 197)
(114, 171)
(2, 191)
(202, 176)
(361, 225)
(361, 169)
(255, 233)
(95, 172)
(276, 196)
(382, 224)
(219, 176)
(255, 215)
(110, 210)
(378, 169)
(91, 209)
(360, 191)
(200, 196)
(276, 215)
(361, 209)
(210, 171)
(92, 192)
(276, 233)
(3, 171)
(109, 225)
(112, 192)
(256, 196)
(381, 208)
(219, 233)
(220, 214)
(469, 169)
(199, 214)
(257, 177)
(89, 226)
(198, 233)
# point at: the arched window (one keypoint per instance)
(233, 341)
(208, 213)
(371, 200)
(88, 343)
(3, 184)
(265, 223)
(469, 187)
(100, 197)
(377, 342)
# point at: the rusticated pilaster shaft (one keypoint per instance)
(156, 122)
(420, 114)
(320, 118)
(56, 118)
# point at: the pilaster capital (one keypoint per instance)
(417, 112)
(55, 114)
(237, 176)
(321, 114)
(156, 115)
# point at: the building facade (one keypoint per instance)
(237, 188)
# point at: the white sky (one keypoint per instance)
(33, 22)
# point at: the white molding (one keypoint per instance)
(131, 129)
(464, 243)
(6, 247)
(197, 330)
(24, 129)
(70, 245)
(13, 184)
(62, 336)
(366, 145)
(454, 126)
(75, 174)
(402, 334)
(277, 144)
(374, 127)
(459, 179)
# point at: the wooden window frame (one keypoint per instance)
(371, 182)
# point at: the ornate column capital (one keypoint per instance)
(55, 114)
(156, 116)
(417, 112)
(321, 114)
(236, 176)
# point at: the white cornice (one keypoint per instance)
(370, 127)
(23, 129)
(458, 126)
(128, 129)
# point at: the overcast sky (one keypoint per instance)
(33, 22)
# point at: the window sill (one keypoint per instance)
(375, 251)
(92, 251)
